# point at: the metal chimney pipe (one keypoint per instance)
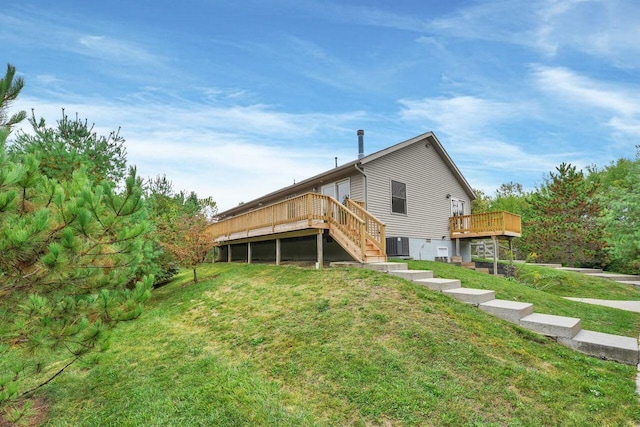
(360, 144)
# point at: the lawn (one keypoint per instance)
(285, 346)
(545, 287)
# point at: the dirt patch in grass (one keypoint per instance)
(25, 413)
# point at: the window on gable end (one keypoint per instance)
(398, 197)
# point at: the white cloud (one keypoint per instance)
(617, 104)
(605, 29)
(232, 154)
(468, 127)
(464, 116)
(112, 49)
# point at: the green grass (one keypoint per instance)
(545, 287)
(284, 346)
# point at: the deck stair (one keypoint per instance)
(566, 330)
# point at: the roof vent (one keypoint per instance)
(360, 144)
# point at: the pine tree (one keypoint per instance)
(10, 87)
(562, 221)
(69, 252)
(70, 145)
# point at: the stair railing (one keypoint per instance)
(375, 229)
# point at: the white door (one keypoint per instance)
(329, 190)
(344, 190)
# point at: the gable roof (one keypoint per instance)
(346, 168)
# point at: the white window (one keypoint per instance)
(398, 197)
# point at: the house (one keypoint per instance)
(407, 200)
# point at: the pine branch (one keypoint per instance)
(50, 379)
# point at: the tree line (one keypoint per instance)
(83, 239)
(578, 218)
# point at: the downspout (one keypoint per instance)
(366, 204)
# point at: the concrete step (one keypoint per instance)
(545, 265)
(386, 266)
(616, 277)
(470, 295)
(375, 258)
(345, 264)
(469, 264)
(512, 311)
(605, 346)
(412, 274)
(631, 282)
(456, 259)
(437, 284)
(581, 270)
(482, 270)
(553, 326)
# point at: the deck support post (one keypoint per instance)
(320, 250)
(495, 255)
(248, 252)
(458, 247)
(512, 255)
(278, 252)
(229, 253)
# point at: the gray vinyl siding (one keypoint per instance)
(357, 189)
(428, 181)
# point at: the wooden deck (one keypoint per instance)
(489, 224)
(356, 230)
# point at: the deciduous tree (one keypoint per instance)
(621, 214)
(180, 221)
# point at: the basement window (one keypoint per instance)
(398, 197)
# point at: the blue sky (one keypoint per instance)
(233, 99)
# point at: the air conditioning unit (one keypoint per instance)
(398, 246)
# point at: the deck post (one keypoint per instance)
(229, 252)
(512, 255)
(458, 247)
(320, 249)
(495, 255)
(248, 252)
(277, 251)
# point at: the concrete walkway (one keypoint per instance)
(622, 305)
(566, 330)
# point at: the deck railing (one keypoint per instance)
(485, 224)
(306, 210)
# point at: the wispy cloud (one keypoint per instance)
(233, 153)
(111, 49)
(618, 104)
(470, 124)
(606, 29)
